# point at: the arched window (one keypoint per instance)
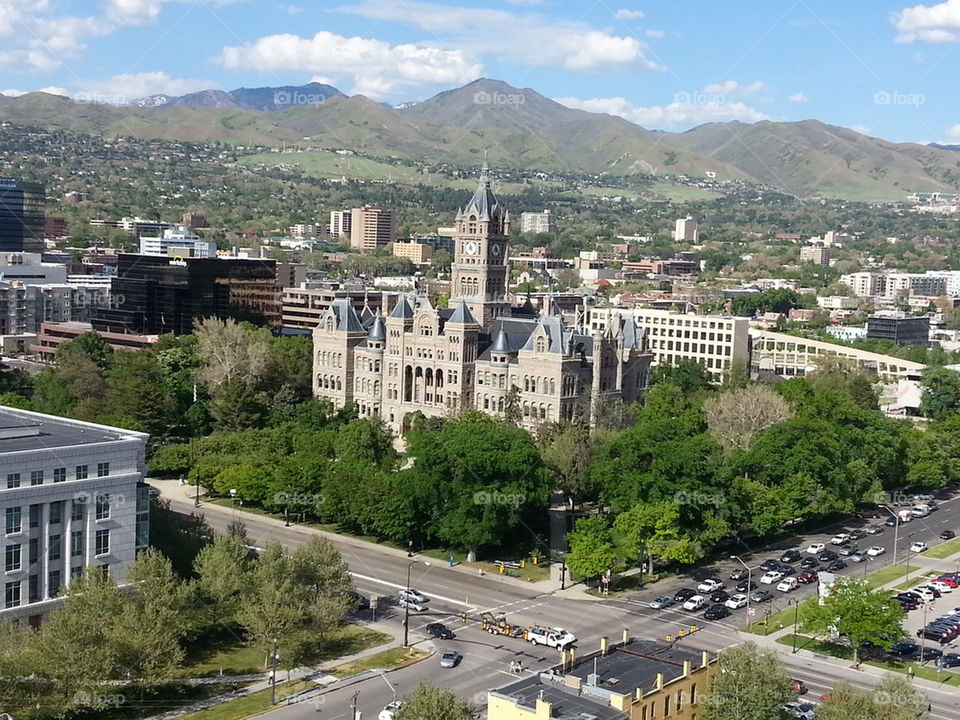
(541, 344)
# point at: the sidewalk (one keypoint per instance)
(181, 494)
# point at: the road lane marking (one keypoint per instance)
(401, 587)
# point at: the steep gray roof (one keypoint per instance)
(501, 346)
(377, 331)
(462, 315)
(346, 317)
(554, 329)
(402, 309)
(483, 200)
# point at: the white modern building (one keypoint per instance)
(686, 230)
(177, 241)
(29, 269)
(538, 222)
(340, 224)
(72, 497)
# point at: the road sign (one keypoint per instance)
(373, 602)
(751, 612)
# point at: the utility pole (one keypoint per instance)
(353, 705)
(749, 581)
(796, 619)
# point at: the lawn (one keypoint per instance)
(776, 621)
(144, 704)
(916, 580)
(235, 656)
(944, 550)
(387, 660)
(882, 577)
(249, 705)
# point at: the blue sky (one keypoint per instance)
(879, 66)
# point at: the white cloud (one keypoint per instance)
(141, 12)
(929, 23)
(377, 68)
(735, 89)
(289, 9)
(625, 14)
(51, 89)
(528, 38)
(124, 89)
(655, 33)
(798, 98)
(953, 133)
(862, 129)
(675, 116)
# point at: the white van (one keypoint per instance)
(920, 510)
(905, 515)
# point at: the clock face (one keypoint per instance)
(471, 248)
(495, 249)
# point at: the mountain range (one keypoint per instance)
(519, 128)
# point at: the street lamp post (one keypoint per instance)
(563, 571)
(896, 531)
(796, 619)
(909, 566)
(749, 581)
(273, 673)
(406, 606)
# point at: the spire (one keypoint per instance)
(500, 345)
(483, 200)
(402, 309)
(377, 332)
(462, 315)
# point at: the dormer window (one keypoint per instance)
(329, 324)
(541, 344)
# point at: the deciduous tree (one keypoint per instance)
(747, 684)
(736, 416)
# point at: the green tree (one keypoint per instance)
(653, 532)
(893, 698)
(178, 537)
(235, 406)
(367, 439)
(747, 684)
(428, 702)
(941, 393)
(688, 375)
(854, 610)
(592, 550)
(224, 571)
(566, 452)
(736, 416)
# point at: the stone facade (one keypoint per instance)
(480, 352)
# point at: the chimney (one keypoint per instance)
(626, 636)
(704, 658)
(604, 645)
(544, 709)
(659, 683)
(686, 668)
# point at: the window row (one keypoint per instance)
(13, 520)
(37, 477)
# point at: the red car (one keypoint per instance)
(807, 577)
(949, 581)
(865, 514)
(798, 686)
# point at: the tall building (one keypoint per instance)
(815, 254)
(541, 222)
(416, 252)
(477, 353)
(166, 295)
(21, 215)
(899, 328)
(686, 230)
(371, 228)
(194, 220)
(177, 241)
(340, 224)
(72, 497)
(865, 284)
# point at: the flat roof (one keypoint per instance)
(566, 703)
(637, 664)
(21, 430)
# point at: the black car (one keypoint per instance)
(934, 634)
(890, 521)
(761, 596)
(904, 648)
(947, 535)
(857, 534)
(768, 565)
(786, 570)
(809, 563)
(745, 586)
(827, 556)
(790, 556)
(363, 602)
(950, 659)
(683, 595)
(720, 596)
(439, 631)
(716, 612)
(739, 574)
(927, 653)
(836, 565)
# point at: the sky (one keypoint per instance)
(881, 67)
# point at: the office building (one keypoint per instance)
(194, 220)
(135, 226)
(53, 335)
(340, 224)
(167, 295)
(177, 241)
(815, 254)
(472, 354)
(371, 228)
(899, 328)
(303, 308)
(538, 222)
(636, 679)
(686, 230)
(54, 228)
(21, 215)
(72, 498)
(29, 269)
(714, 341)
(416, 252)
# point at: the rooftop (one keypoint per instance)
(21, 430)
(566, 703)
(637, 664)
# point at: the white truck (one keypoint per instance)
(555, 637)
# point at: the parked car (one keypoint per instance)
(920, 510)
(857, 534)
(815, 548)
(796, 710)
(739, 574)
(771, 577)
(827, 556)
(947, 535)
(932, 590)
(875, 529)
(848, 550)
(923, 592)
(790, 556)
(859, 556)
(735, 602)
(868, 514)
(925, 654)
(439, 631)
(761, 596)
(683, 595)
(806, 578)
(709, 585)
(661, 602)
(787, 585)
(768, 565)
(918, 547)
(836, 566)
(798, 686)
(450, 658)
(950, 659)
(745, 586)
(809, 563)
(876, 550)
(720, 596)
(941, 586)
(840, 539)
(904, 648)
(695, 602)
(390, 710)
(947, 580)
(411, 594)
(716, 612)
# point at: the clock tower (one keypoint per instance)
(479, 270)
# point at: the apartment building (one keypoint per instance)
(815, 254)
(686, 230)
(636, 679)
(340, 224)
(416, 252)
(715, 341)
(72, 497)
(538, 222)
(907, 284)
(303, 308)
(902, 285)
(372, 227)
(865, 284)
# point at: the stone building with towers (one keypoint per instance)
(479, 353)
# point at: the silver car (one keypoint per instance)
(450, 658)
